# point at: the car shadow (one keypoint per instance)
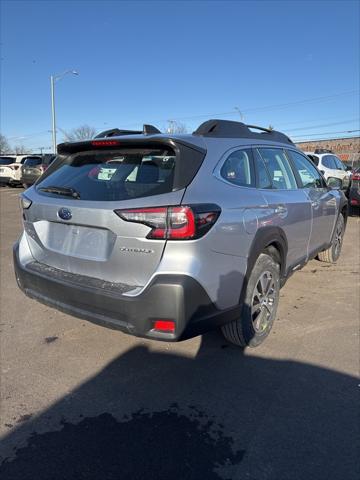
(223, 414)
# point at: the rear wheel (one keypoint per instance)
(332, 254)
(260, 305)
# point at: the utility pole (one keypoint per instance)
(53, 80)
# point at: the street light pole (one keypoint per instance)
(240, 113)
(53, 113)
(53, 80)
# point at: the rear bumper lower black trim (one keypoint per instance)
(168, 297)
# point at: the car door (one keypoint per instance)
(288, 207)
(323, 201)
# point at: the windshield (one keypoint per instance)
(113, 175)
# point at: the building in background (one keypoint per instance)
(347, 149)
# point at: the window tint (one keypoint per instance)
(309, 176)
(111, 176)
(279, 169)
(328, 162)
(263, 175)
(238, 169)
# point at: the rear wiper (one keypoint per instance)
(65, 191)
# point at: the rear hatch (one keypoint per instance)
(32, 167)
(6, 164)
(72, 224)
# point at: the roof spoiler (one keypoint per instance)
(230, 129)
(115, 132)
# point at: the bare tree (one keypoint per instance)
(84, 132)
(21, 149)
(173, 126)
(4, 145)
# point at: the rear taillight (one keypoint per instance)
(355, 176)
(174, 223)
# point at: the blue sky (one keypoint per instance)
(153, 61)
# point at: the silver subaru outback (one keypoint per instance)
(167, 236)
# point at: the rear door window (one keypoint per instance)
(115, 175)
(338, 163)
(329, 162)
(277, 164)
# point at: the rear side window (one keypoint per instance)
(314, 159)
(277, 164)
(32, 161)
(238, 169)
(6, 160)
(115, 175)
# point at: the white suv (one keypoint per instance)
(330, 166)
(10, 168)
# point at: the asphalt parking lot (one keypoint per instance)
(79, 401)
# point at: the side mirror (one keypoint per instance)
(334, 183)
(348, 168)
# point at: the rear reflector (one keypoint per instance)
(353, 201)
(174, 223)
(167, 326)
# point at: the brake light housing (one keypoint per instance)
(104, 143)
(183, 222)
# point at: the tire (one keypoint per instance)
(332, 254)
(258, 311)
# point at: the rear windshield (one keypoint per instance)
(32, 161)
(6, 160)
(114, 175)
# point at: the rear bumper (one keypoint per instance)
(168, 297)
(29, 179)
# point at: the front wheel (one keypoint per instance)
(258, 311)
(332, 254)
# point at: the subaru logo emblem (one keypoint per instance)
(64, 214)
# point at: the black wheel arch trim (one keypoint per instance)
(264, 237)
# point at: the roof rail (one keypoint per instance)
(322, 150)
(230, 129)
(115, 132)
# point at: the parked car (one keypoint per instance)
(33, 168)
(167, 236)
(354, 194)
(331, 166)
(10, 174)
(6, 164)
